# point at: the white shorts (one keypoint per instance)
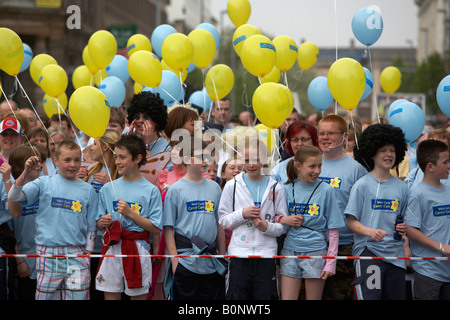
(110, 277)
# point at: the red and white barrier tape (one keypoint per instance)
(216, 256)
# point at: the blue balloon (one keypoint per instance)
(318, 93)
(201, 98)
(394, 105)
(367, 26)
(369, 84)
(159, 35)
(114, 90)
(169, 89)
(211, 29)
(443, 95)
(409, 117)
(118, 68)
(27, 57)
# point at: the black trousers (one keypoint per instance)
(252, 279)
(192, 286)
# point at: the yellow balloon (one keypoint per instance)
(238, 11)
(267, 135)
(11, 52)
(287, 52)
(177, 51)
(307, 55)
(346, 82)
(145, 68)
(89, 110)
(241, 34)
(38, 63)
(219, 81)
(102, 48)
(204, 47)
(184, 72)
(81, 77)
(53, 80)
(138, 88)
(390, 79)
(273, 76)
(258, 55)
(138, 42)
(291, 100)
(88, 61)
(54, 105)
(271, 103)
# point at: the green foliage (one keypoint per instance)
(423, 78)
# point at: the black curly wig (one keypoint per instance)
(151, 104)
(375, 137)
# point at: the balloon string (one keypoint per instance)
(32, 106)
(181, 85)
(203, 89)
(64, 112)
(175, 99)
(336, 42)
(298, 76)
(286, 79)
(15, 116)
(218, 100)
(107, 169)
(14, 91)
(336, 27)
(374, 100)
(244, 97)
(354, 131)
(277, 151)
(218, 103)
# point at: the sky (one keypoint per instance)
(326, 22)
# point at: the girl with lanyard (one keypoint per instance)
(313, 220)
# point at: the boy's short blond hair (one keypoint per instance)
(66, 144)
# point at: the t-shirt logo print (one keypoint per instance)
(76, 206)
(136, 207)
(313, 209)
(394, 205)
(335, 182)
(209, 206)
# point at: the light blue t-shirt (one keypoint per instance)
(158, 146)
(142, 196)
(279, 171)
(5, 216)
(321, 214)
(256, 188)
(52, 169)
(341, 175)
(191, 209)
(429, 211)
(376, 205)
(415, 176)
(97, 186)
(67, 210)
(24, 228)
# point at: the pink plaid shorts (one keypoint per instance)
(62, 278)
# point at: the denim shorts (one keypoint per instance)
(302, 268)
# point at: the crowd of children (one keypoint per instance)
(139, 191)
